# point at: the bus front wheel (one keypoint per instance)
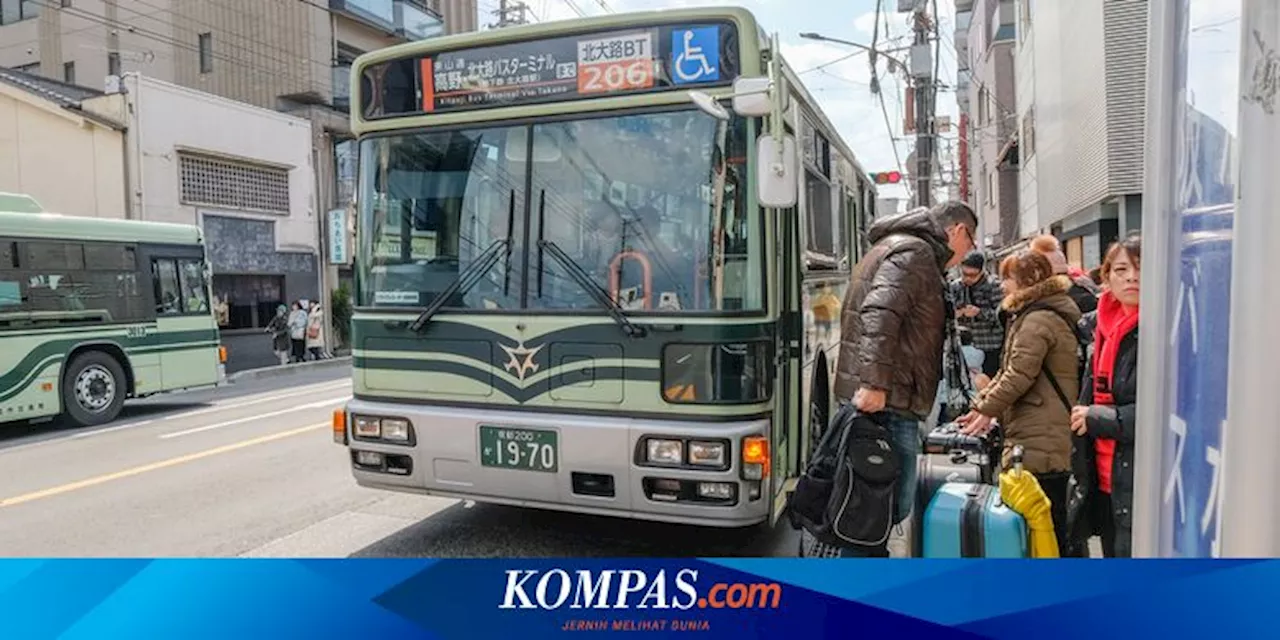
(93, 389)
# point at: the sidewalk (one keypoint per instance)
(288, 369)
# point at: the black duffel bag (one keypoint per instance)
(846, 495)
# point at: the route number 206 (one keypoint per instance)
(615, 76)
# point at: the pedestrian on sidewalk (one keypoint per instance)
(1104, 420)
(892, 325)
(316, 332)
(1083, 290)
(279, 330)
(977, 301)
(298, 332)
(1032, 393)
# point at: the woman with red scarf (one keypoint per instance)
(1104, 421)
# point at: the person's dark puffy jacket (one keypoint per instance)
(1085, 294)
(893, 320)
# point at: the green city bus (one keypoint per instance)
(95, 311)
(599, 265)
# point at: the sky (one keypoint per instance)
(842, 89)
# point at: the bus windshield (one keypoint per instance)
(653, 207)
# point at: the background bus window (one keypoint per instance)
(89, 282)
(195, 289)
(168, 293)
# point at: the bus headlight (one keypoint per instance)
(366, 427)
(395, 429)
(707, 454)
(664, 451)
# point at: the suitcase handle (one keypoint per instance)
(1017, 458)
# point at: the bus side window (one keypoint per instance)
(168, 293)
(195, 293)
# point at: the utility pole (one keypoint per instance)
(511, 13)
(922, 76)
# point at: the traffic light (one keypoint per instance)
(887, 177)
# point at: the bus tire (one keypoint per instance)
(93, 388)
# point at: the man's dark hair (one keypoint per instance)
(954, 212)
(974, 260)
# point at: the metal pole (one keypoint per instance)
(924, 112)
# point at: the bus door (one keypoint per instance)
(184, 318)
(787, 420)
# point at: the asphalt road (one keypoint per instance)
(250, 470)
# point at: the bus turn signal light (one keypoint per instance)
(340, 425)
(222, 355)
(755, 457)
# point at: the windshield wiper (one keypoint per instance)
(465, 280)
(584, 279)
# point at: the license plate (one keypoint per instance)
(525, 449)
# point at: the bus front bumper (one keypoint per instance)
(598, 463)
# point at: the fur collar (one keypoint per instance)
(1024, 297)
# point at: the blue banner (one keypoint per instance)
(513, 598)
(1191, 461)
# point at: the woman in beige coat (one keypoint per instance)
(1039, 376)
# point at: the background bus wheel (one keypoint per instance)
(93, 389)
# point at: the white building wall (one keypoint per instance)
(167, 118)
(1071, 107)
(71, 165)
(1025, 80)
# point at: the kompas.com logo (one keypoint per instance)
(631, 588)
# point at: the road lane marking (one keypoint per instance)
(55, 438)
(250, 419)
(231, 423)
(155, 466)
(231, 404)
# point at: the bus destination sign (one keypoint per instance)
(562, 68)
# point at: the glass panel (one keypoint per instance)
(431, 205)
(383, 10)
(419, 24)
(168, 294)
(10, 11)
(648, 207)
(1204, 187)
(342, 84)
(195, 288)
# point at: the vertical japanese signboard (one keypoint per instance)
(1196, 381)
(337, 230)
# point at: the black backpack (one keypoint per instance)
(846, 496)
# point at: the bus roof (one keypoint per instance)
(53, 225)
(19, 202)
(556, 27)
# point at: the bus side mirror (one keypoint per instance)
(776, 171)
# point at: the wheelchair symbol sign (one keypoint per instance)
(695, 55)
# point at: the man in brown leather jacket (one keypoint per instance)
(893, 324)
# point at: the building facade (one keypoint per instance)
(289, 56)
(69, 159)
(991, 122)
(1082, 103)
(244, 175)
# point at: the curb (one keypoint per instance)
(288, 369)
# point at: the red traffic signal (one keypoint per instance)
(887, 177)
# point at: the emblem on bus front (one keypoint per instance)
(521, 363)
